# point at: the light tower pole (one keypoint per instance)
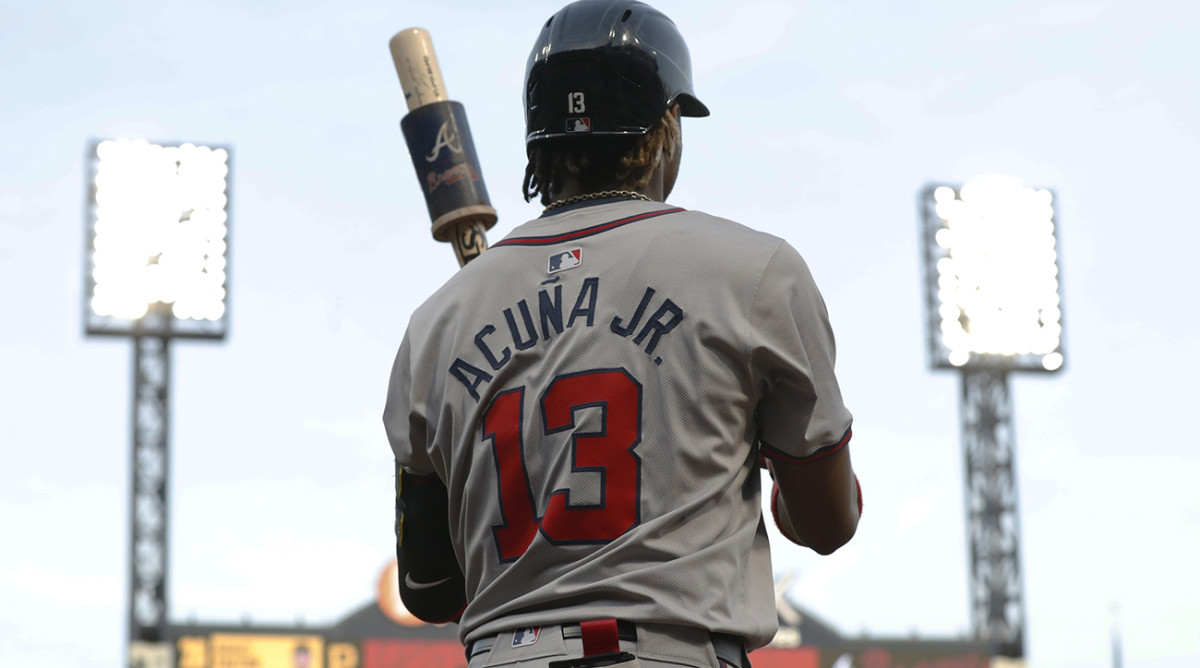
(993, 306)
(154, 270)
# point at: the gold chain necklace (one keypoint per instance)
(603, 194)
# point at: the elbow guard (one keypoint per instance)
(432, 586)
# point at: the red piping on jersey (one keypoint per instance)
(585, 232)
(771, 452)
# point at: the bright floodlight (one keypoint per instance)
(992, 276)
(159, 224)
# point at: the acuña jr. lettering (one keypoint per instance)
(539, 319)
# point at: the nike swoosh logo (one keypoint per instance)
(408, 582)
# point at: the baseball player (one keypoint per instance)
(579, 415)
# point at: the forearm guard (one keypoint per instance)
(432, 586)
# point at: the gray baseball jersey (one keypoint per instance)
(591, 390)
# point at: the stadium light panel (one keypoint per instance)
(158, 237)
(993, 275)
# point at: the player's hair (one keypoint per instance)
(599, 163)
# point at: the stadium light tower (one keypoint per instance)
(154, 270)
(993, 306)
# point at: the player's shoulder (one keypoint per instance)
(728, 242)
(446, 299)
(728, 238)
(726, 226)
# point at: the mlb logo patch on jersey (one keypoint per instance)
(565, 260)
(526, 636)
(579, 124)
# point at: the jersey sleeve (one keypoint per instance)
(800, 413)
(404, 416)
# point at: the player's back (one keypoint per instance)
(589, 393)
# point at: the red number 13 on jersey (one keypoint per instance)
(607, 451)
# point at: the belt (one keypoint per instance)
(729, 649)
(625, 631)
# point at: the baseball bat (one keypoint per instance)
(442, 151)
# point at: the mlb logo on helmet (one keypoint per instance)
(565, 260)
(579, 124)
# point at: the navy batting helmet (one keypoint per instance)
(606, 67)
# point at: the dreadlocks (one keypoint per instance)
(599, 163)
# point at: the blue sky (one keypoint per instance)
(828, 119)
